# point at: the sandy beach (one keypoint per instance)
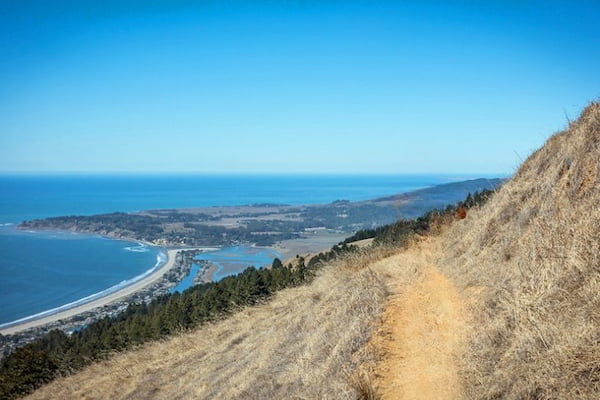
(286, 248)
(118, 295)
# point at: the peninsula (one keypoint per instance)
(263, 224)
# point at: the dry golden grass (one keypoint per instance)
(303, 344)
(519, 317)
(533, 255)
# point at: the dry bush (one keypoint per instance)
(532, 254)
(306, 343)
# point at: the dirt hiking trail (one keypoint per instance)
(422, 334)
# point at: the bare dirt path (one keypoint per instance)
(422, 336)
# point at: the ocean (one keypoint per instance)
(44, 270)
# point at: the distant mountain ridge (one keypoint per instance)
(413, 204)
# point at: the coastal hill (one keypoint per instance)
(532, 255)
(497, 301)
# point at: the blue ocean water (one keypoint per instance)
(34, 196)
(40, 271)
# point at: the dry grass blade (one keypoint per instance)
(533, 253)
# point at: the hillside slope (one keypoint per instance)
(504, 304)
(305, 343)
(533, 255)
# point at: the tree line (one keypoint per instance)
(399, 232)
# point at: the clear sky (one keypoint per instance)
(290, 86)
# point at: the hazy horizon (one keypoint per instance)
(467, 175)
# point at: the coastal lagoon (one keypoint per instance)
(45, 270)
(229, 261)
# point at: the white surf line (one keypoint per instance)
(161, 259)
(117, 292)
(100, 299)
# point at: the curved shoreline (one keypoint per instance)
(33, 321)
(99, 300)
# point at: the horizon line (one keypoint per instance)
(253, 173)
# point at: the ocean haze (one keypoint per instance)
(30, 196)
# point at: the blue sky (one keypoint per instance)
(290, 86)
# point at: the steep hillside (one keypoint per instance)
(533, 256)
(305, 343)
(503, 304)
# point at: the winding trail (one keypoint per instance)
(422, 338)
